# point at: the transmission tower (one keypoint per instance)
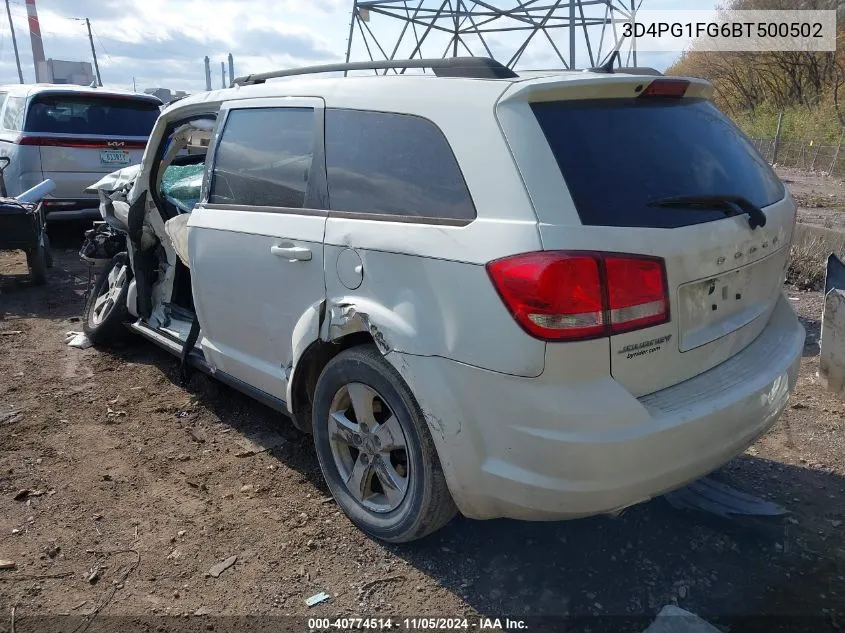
(572, 33)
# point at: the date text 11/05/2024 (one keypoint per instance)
(416, 624)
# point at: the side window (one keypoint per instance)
(3, 96)
(393, 164)
(264, 157)
(13, 116)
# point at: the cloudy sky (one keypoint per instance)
(163, 42)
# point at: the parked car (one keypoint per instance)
(71, 135)
(537, 297)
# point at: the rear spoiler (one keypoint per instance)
(598, 85)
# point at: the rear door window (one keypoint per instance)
(393, 164)
(617, 155)
(264, 157)
(13, 115)
(95, 115)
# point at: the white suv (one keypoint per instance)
(540, 297)
(71, 135)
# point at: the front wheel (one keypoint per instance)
(375, 450)
(106, 311)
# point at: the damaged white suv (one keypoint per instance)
(542, 296)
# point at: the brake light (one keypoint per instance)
(577, 296)
(666, 89)
(80, 143)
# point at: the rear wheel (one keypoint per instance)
(37, 262)
(105, 311)
(375, 450)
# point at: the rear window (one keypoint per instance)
(617, 155)
(104, 116)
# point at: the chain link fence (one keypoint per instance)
(806, 155)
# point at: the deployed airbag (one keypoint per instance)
(177, 232)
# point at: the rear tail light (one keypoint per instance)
(666, 88)
(79, 143)
(577, 296)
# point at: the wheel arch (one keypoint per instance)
(322, 332)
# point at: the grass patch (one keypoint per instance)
(819, 124)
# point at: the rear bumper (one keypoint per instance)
(541, 449)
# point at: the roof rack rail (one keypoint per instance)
(471, 67)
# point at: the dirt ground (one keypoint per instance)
(821, 199)
(138, 487)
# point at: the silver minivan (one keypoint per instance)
(72, 135)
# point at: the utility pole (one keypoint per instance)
(207, 73)
(134, 88)
(93, 52)
(14, 42)
(35, 37)
(231, 69)
(222, 74)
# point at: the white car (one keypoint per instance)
(71, 135)
(539, 297)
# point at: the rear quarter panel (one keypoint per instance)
(425, 286)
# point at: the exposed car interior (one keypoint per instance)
(176, 182)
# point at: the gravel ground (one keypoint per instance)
(138, 487)
(821, 199)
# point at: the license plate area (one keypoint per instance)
(114, 157)
(714, 307)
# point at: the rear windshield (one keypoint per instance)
(617, 155)
(106, 116)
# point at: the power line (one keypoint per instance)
(100, 42)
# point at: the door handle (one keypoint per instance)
(293, 253)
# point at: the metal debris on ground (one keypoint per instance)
(78, 340)
(834, 274)
(672, 619)
(222, 566)
(317, 598)
(714, 497)
(9, 417)
(25, 494)
(94, 575)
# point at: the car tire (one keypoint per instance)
(369, 431)
(37, 262)
(48, 252)
(105, 311)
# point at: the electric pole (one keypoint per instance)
(93, 52)
(207, 73)
(14, 42)
(222, 74)
(231, 69)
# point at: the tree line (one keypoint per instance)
(747, 81)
